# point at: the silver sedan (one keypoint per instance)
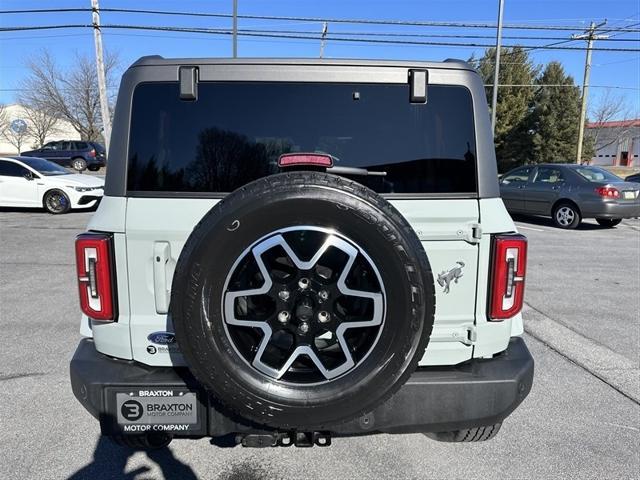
(568, 193)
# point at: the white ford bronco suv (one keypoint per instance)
(293, 250)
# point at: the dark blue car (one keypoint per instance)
(76, 154)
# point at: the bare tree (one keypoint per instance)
(70, 94)
(609, 107)
(3, 118)
(41, 123)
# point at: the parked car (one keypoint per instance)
(569, 192)
(633, 178)
(303, 305)
(35, 182)
(75, 154)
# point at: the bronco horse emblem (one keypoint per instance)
(445, 278)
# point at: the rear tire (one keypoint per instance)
(79, 164)
(608, 222)
(478, 434)
(93, 168)
(566, 215)
(56, 202)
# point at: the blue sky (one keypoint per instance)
(619, 70)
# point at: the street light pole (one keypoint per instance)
(590, 36)
(323, 38)
(235, 28)
(496, 70)
(102, 82)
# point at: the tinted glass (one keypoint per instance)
(10, 169)
(519, 175)
(549, 175)
(235, 132)
(80, 146)
(44, 167)
(98, 147)
(594, 174)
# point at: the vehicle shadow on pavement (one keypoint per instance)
(110, 461)
(43, 211)
(547, 222)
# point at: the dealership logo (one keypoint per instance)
(131, 410)
(162, 338)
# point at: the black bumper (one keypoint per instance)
(435, 399)
(86, 199)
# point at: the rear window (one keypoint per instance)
(595, 174)
(235, 132)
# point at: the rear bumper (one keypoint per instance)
(435, 399)
(611, 209)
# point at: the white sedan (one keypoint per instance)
(35, 182)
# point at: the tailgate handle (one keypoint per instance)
(163, 267)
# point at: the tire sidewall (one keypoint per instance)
(213, 358)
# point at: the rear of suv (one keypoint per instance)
(291, 250)
(79, 155)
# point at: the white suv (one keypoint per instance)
(290, 250)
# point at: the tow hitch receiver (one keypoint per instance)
(285, 439)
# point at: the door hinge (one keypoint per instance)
(464, 334)
(471, 335)
(472, 233)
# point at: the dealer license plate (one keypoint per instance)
(163, 409)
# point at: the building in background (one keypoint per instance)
(18, 126)
(616, 143)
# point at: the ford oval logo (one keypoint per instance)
(162, 338)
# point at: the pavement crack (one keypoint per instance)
(13, 376)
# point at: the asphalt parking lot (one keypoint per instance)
(581, 420)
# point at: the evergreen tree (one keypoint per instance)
(554, 115)
(512, 137)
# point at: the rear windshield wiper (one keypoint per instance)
(355, 171)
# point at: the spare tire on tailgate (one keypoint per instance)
(302, 300)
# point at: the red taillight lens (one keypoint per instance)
(92, 153)
(608, 192)
(305, 159)
(508, 272)
(95, 276)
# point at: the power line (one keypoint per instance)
(398, 34)
(318, 19)
(313, 36)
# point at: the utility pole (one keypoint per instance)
(102, 82)
(496, 70)
(590, 36)
(323, 38)
(235, 28)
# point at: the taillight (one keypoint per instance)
(305, 159)
(509, 262)
(96, 276)
(92, 153)
(608, 192)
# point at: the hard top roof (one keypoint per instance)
(157, 60)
